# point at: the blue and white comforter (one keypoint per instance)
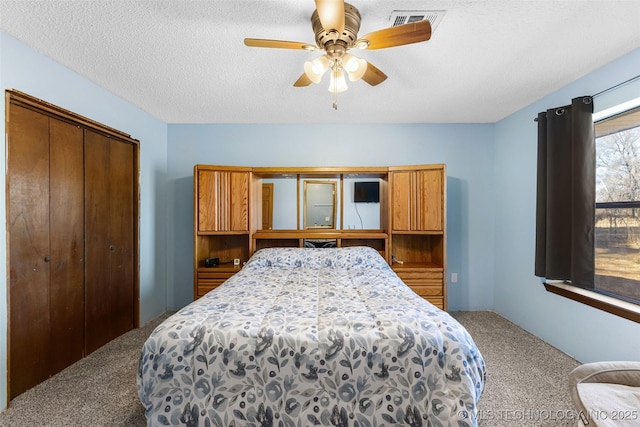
(303, 337)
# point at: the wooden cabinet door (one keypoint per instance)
(428, 200)
(238, 215)
(223, 200)
(109, 277)
(417, 200)
(46, 245)
(208, 200)
(401, 198)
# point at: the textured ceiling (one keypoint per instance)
(185, 62)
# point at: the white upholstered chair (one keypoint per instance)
(606, 394)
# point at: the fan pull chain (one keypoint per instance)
(334, 70)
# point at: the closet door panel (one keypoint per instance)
(97, 292)
(28, 187)
(66, 244)
(109, 253)
(121, 234)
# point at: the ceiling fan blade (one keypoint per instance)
(331, 14)
(303, 81)
(373, 75)
(279, 44)
(397, 36)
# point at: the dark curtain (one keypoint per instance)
(565, 211)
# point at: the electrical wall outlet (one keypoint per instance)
(454, 277)
(236, 261)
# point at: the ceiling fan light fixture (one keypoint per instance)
(354, 66)
(315, 69)
(362, 43)
(336, 24)
(338, 83)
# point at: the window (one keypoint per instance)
(617, 224)
(590, 255)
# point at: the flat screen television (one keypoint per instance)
(366, 192)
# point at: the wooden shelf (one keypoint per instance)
(222, 233)
(310, 172)
(419, 233)
(320, 234)
(296, 238)
(416, 266)
(224, 268)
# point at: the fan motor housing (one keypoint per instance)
(351, 28)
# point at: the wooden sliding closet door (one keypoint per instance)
(109, 193)
(66, 238)
(72, 241)
(46, 246)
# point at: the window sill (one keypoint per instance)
(606, 303)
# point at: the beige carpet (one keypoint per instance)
(526, 377)
(526, 382)
(99, 390)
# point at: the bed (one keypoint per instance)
(303, 337)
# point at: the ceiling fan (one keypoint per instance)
(336, 24)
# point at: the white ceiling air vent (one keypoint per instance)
(400, 17)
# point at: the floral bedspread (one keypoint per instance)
(303, 337)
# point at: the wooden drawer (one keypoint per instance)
(215, 275)
(423, 283)
(203, 289)
(210, 278)
(428, 284)
(427, 290)
(432, 277)
(438, 302)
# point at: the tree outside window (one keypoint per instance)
(617, 231)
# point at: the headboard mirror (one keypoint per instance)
(287, 204)
(319, 209)
(283, 203)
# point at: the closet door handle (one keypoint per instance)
(112, 248)
(47, 259)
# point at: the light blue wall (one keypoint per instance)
(466, 149)
(24, 69)
(581, 331)
(361, 215)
